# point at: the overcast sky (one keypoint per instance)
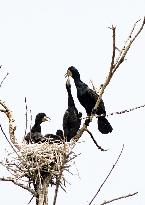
(39, 40)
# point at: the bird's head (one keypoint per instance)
(73, 72)
(59, 133)
(41, 117)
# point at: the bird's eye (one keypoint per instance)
(68, 73)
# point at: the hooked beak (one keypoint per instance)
(45, 118)
(68, 73)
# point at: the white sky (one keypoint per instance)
(39, 40)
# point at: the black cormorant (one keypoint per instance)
(54, 138)
(34, 136)
(71, 118)
(87, 98)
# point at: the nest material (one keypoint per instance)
(39, 159)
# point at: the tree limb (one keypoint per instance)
(18, 184)
(3, 79)
(107, 175)
(98, 146)
(12, 127)
(118, 198)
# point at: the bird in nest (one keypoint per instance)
(88, 98)
(35, 136)
(71, 118)
(54, 138)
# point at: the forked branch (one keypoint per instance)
(115, 63)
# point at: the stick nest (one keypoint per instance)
(39, 160)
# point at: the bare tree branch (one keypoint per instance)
(8, 140)
(26, 116)
(107, 175)
(118, 198)
(113, 67)
(98, 146)
(115, 64)
(121, 112)
(18, 184)
(3, 79)
(12, 127)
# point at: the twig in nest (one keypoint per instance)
(118, 198)
(98, 146)
(107, 175)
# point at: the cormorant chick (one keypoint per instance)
(34, 136)
(54, 138)
(71, 118)
(87, 98)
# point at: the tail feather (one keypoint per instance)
(104, 126)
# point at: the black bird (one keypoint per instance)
(34, 136)
(54, 138)
(71, 118)
(87, 98)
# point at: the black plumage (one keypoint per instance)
(71, 118)
(87, 98)
(54, 138)
(35, 136)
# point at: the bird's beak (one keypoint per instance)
(45, 118)
(68, 73)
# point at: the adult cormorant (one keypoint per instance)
(71, 118)
(87, 98)
(34, 136)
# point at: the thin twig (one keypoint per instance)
(113, 49)
(12, 127)
(107, 175)
(3, 79)
(120, 112)
(118, 198)
(30, 199)
(18, 184)
(26, 116)
(98, 146)
(8, 140)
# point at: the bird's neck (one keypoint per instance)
(77, 81)
(70, 98)
(36, 128)
(81, 86)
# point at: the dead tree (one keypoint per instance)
(35, 167)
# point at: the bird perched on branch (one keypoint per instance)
(35, 136)
(71, 118)
(88, 98)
